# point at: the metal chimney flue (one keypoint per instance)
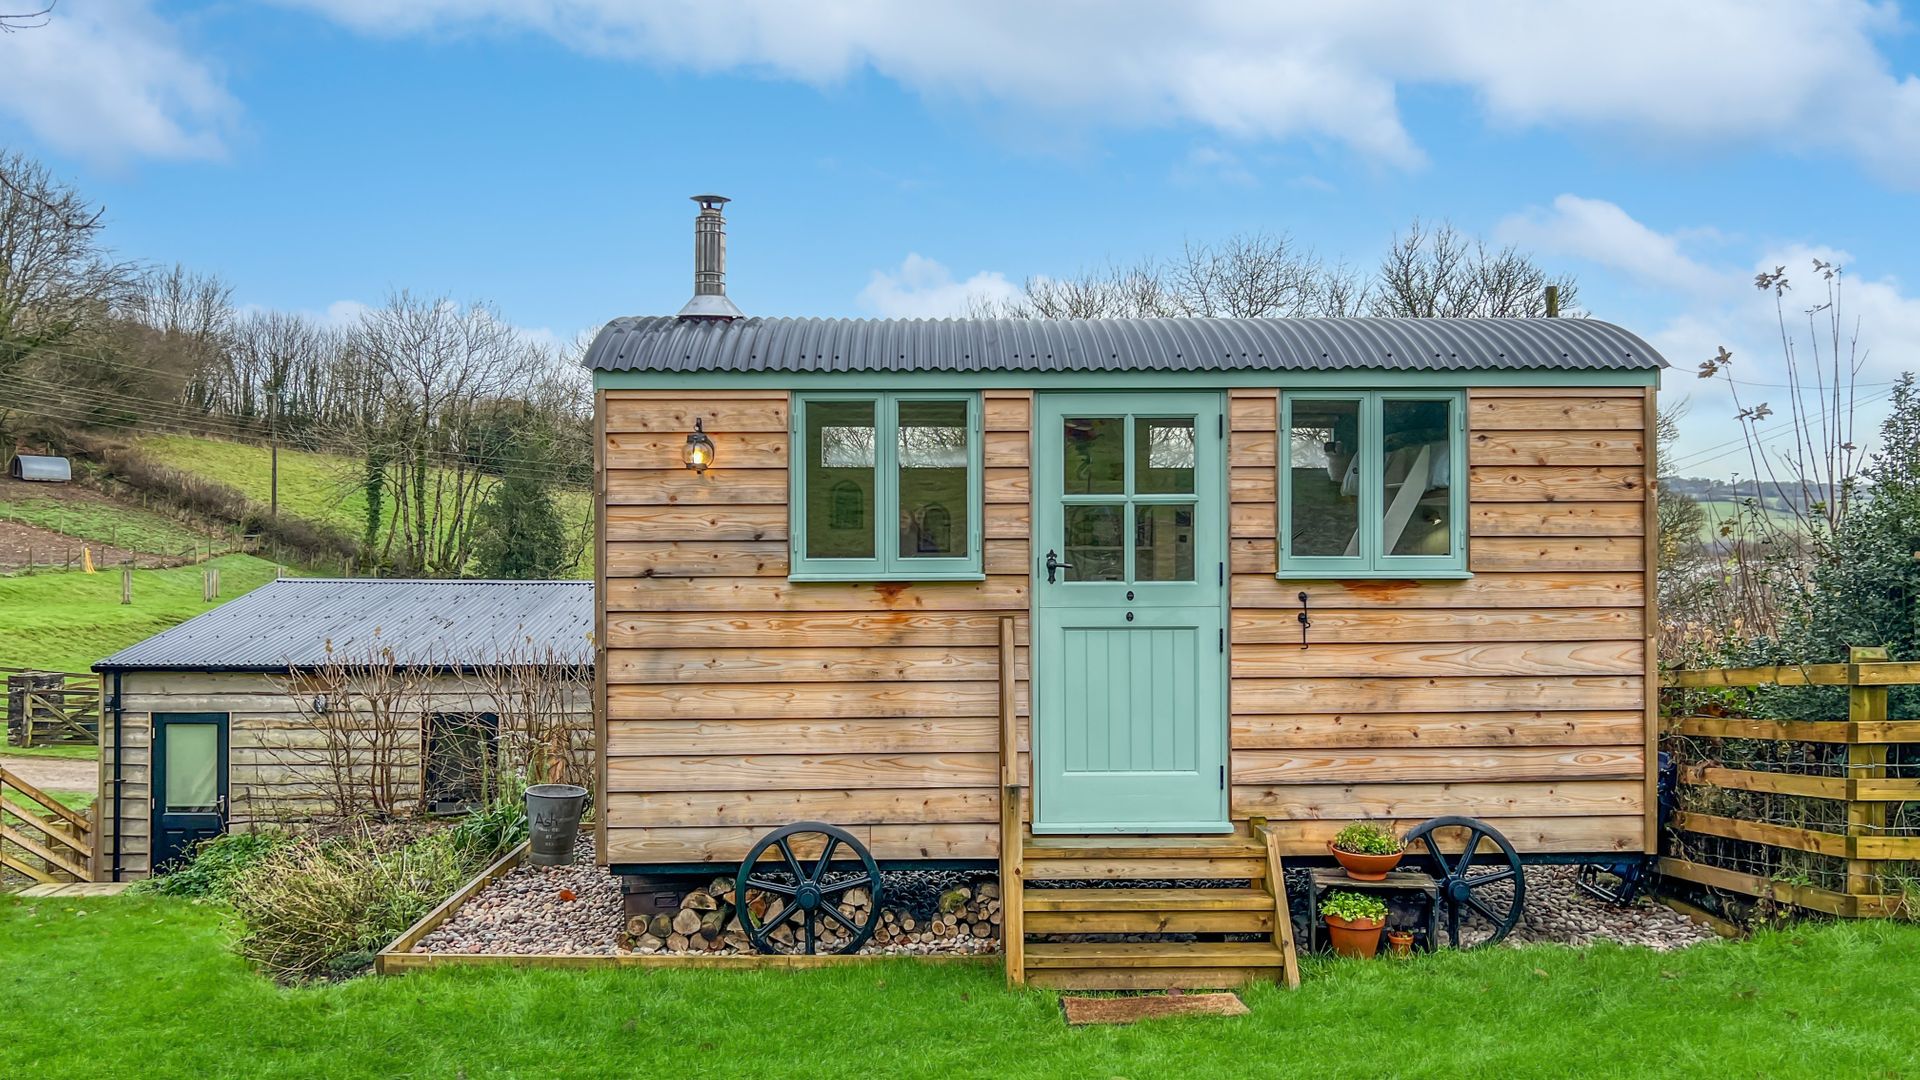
(710, 263)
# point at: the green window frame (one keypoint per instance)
(845, 508)
(1381, 500)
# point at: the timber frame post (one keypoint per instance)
(1865, 761)
(1012, 840)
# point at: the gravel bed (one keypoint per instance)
(1559, 911)
(528, 912)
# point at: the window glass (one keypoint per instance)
(1095, 461)
(934, 490)
(1323, 456)
(1093, 545)
(1416, 473)
(1163, 541)
(193, 766)
(1163, 456)
(840, 487)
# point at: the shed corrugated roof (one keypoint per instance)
(289, 622)
(665, 343)
(40, 467)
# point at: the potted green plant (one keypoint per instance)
(1354, 921)
(1366, 851)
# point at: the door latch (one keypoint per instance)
(1054, 565)
(1306, 623)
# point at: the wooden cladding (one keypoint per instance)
(738, 700)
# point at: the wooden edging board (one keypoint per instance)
(400, 948)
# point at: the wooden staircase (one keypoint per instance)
(1183, 925)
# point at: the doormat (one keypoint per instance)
(1126, 1010)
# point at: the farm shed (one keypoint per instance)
(307, 693)
(57, 470)
(1263, 576)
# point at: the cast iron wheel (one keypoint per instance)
(803, 892)
(1493, 892)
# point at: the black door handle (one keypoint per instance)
(1054, 565)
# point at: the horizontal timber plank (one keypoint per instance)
(1416, 802)
(1219, 867)
(1431, 764)
(1889, 674)
(1255, 626)
(1759, 832)
(1491, 553)
(1538, 519)
(1473, 694)
(1633, 392)
(790, 700)
(1256, 448)
(1007, 521)
(1784, 675)
(1500, 590)
(731, 449)
(724, 772)
(1006, 448)
(1531, 728)
(723, 844)
(1556, 448)
(1806, 896)
(973, 734)
(1003, 592)
(1552, 412)
(1530, 835)
(1480, 658)
(696, 522)
(1230, 921)
(402, 963)
(804, 664)
(1254, 412)
(841, 806)
(697, 558)
(1587, 483)
(764, 414)
(1727, 727)
(668, 629)
(1812, 787)
(682, 486)
(1007, 412)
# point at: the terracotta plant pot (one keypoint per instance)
(1365, 867)
(1402, 943)
(1359, 938)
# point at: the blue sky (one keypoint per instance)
(894, 159)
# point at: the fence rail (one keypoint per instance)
(40, 838)
(1866, 765)
(43, 707)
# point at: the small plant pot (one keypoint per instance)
(1365, 867)
(1358, 938)
(1401, 941)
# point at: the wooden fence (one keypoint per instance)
(40, 838)
(42, 707)
(1788, 798)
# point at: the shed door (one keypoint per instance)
(1130, 716)
(189, 781)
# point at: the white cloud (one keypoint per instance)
(1210, 165)
(108, 79)
(921, 288)
(1601, 232)
(1806, 76)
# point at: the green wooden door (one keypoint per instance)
(1129, 648)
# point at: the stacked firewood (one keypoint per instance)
(965, 919)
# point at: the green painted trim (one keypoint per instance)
(887, 564)
(877, 381)
(1371, 561)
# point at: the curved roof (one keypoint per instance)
(40, 467)
(459, 624)
(666, 343)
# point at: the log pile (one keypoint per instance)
(966, 918)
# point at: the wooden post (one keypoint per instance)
(1282, 914)
(1553, 301)
(1013, 934)
(1865, 761)
(1650, 612)
(126, 584)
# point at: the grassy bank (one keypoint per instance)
(66, 621)
(145, 986)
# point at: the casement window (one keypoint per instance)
(886, 486)
(1373, 484)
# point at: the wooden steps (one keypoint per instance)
(1182, 926)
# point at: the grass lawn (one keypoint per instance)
(1729, 511)
(107, 523)
(143, 986)
(75, 751)
(66, 621)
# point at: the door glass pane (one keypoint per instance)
(1095, 462)
(1323, 453)
(934, 499)
(1417, 469)
(840, 480)
(1163, 456)
(1093, 543)
(192, 767)
(1163, 543)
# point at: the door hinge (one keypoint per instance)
(1223, 573)
(1223, 424)
(1223, 639)
(1223, 778)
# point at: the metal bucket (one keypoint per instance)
(553, 822)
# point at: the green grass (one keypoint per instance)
(1729, 511)
(105, 523)
(144, 986)
(324, 488)
(66, 621)
(74, 751)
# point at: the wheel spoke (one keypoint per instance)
(769, 886)
(1489, 879)
(1487, 913)
(785, 914)
(842, 886)
(792, 863)
(826, 856)
(810, 939)
(1466, 857)
(1433, 848)
(834, 914)
(1453, 925)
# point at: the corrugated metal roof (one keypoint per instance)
(40, 467)
(289, 622)
(665, 343)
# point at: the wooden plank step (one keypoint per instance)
(1148, 911)
(1148, 900)
(1124, 868)
(1141, 847)
(1197, 978)
(1147, 954)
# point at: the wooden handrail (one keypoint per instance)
(1013, 932)
(49, 803)
(1857, 673)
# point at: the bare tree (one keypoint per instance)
(543, 698)
(1439, 272)
(368, 710)
(28, 20)
(59, 285)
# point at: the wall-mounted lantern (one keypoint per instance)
(699, 451)
(321, 704)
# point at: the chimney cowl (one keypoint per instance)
(710, 264)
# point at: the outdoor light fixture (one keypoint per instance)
(320, 704)
(699, 451)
